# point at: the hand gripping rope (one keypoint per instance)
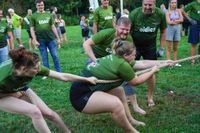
(149, 69)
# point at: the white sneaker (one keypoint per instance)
(44, 77)
(178, 65)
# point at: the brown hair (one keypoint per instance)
(39, 1)
(121, 47)
(23, 57)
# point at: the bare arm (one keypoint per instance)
(94, 28)
(87, 45)
(168, 18)
(71, 77)
(143, 77)
(145, 64)
(34, 37)
(55, 33)
(11, 40)
(180, 20)
(162, 38)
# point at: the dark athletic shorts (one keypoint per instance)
(85, 32)
(79, 95)
(146, 52)
(29, 33)
(194, 34)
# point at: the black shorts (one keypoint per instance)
(85, 32)
(148, 53)
(62, 29)
(29, 33)
(79, 95)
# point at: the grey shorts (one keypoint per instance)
(173, 33)
(17, 32)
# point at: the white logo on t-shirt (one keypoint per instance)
(147, 29)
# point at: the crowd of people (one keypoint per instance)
(116, 47)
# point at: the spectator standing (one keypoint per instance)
(103, 17)
(16, 21)
(193, 10)
(62, 28)
(27, 22)
(43, 32)
(185, 24)
(84, 28)
(173, 35)
(5, 31)
(91, 19)
(146, 21)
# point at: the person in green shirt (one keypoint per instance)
(103, 17)
(17, 25)
(43, 32)
(193, 10)
(100, 45)
(146, 21)
(15, 95)
(110, 97)
(5, 31)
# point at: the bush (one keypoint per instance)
(71, 20)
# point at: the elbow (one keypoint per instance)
(135, 82)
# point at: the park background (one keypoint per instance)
(177, 113)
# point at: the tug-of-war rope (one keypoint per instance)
(149, 69)
(137, 73)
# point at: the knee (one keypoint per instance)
(50, 114)
(35, 112)
(118, 106)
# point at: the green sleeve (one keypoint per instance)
(163, 24)
(43, 71)
(99, 37)
(126, 71)
(52, 20)
(188, 7)
(96, 16)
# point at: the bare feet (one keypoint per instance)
(137, 123)
(151, 103)
(139, 110)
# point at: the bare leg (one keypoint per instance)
(175, 49)
(18, 106)
(47, 112)
(112, 105)
(168, 49)
(30, 44)
(136, 108)
(19, 41)
(151, 85)
(193, 51)
(119, 92)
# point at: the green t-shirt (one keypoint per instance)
(15, 19)
(4, 29)
(42, 23)
(144, 28)
(103, 42)
(103, 18)
(110, 67)
(10, 83)
(194, 10)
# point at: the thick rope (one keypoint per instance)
(164, 65)
(149, 69)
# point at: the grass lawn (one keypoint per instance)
(179, 113)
